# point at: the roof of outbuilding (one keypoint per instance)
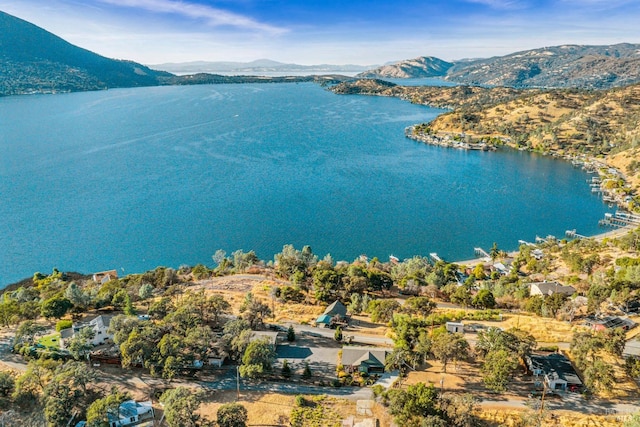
(335, 309)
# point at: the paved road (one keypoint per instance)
(357, 338)
(228, 381)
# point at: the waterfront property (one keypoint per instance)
(335, 313)
(99, 325)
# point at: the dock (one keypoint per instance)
(573, 235)
(481, 252)
(619, 219)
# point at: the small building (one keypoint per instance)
(100, 326)
(556, 371)
(550, 288)
(103, 277)
(368, 360)
(454, 327)
(335, 313)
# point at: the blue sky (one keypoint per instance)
(327, 31)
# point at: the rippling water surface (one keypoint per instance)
(136, 178)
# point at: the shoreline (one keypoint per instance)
(615, 233)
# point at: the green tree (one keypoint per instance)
(420, 306)
(80, 343)
(286, 369)
(498, 368)
(258, 359)
(494, 252)
(254, 312)
(145, 291)
(599, 376)
(181, 405)
(382, 310)
(338, 334)
(7, 383)
(417, 402)
(291, 334)
(55, 307)
(77, 296)
(447, 347)
(232, 415)
(484, 299)
(27, 332)
(99, 411)
(461, 296)
(306, 372)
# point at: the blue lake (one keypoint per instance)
(136, 178)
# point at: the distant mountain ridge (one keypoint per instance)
(424, 66)
(34, 60)
(254, 67)
(581, 66)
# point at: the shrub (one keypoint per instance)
(63, 324)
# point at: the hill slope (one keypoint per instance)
(589, 67)
(34, 60)
(424, 66)
(558, 66)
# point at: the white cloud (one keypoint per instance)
(213, 16)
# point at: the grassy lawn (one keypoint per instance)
(52, 340)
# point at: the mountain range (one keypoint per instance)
(255, 67)
(589, 67)
(33, 60)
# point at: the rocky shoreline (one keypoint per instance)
(447, 140)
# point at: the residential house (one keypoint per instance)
(334, 313)
(131, 413)
(100, 326)
(556, 371)
(103, 277)
(550, 288)
(364, 359)
(609, 322)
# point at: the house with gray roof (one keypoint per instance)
(99, 325)
(550, 288)
(364, 359)
(334, 312)
(556, 371)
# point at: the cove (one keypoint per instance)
(135, 178)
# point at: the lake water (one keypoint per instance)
(135, 178)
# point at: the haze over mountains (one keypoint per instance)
(32, 60)
(257, 67)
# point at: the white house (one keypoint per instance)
(99, 325)
(131, 413)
